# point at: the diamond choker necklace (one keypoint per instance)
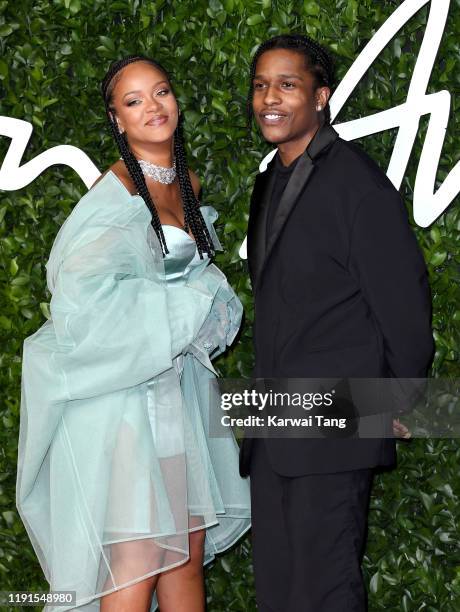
(158, 173)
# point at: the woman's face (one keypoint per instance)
(144, 104)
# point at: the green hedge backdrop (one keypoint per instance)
(53, 55)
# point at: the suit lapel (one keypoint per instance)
(257, 228)
(299, 178)
(301, 174)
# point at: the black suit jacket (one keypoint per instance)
(340, 290)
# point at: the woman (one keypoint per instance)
(122, 489)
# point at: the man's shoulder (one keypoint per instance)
(346, 168)
(357, 166)
(347, 158)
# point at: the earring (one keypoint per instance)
(319, 108)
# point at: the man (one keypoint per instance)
(341, 290)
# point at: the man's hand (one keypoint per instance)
(400, 430)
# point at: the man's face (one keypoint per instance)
(285, 99)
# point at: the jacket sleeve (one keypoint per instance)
(389, 266)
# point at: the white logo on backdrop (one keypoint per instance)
(427, 203)
(13, 176)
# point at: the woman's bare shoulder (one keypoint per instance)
(120, 171)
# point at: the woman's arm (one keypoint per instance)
(111, 313)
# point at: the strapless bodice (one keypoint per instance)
(183, 254)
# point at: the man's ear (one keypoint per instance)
(322, 96)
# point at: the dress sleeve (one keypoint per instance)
(390, 269)
(224, 317)
(109, 309)
(210, 215)
(221, 324)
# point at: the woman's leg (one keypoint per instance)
(129, 560)
(182, 589)
(135, 598)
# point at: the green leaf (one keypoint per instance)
(5, 322)
(9, 517)
(255, 20)
(438, 258)
(66, 49)
(221, 17)
(215, 6)
(312, 8)
(428, 500)
(375, 583)
(351, 13)
(5, 30)
(219, 105)
(22, 279)
(75, 6)
(27, 313)
(49, 102)
(13, 267)
(435, 234)
(3, 70)
(107, 43)
(45, 308)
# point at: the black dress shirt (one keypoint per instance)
(283, 174)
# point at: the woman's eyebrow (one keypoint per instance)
(139, 91)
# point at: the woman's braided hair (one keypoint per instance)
(318, 60)
(192, 214)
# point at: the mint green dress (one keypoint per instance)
(116, 464)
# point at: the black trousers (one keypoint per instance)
(308, 536)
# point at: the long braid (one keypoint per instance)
(193, 217)
(319, 63)
(138, 178)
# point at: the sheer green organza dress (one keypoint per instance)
(116, 465)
